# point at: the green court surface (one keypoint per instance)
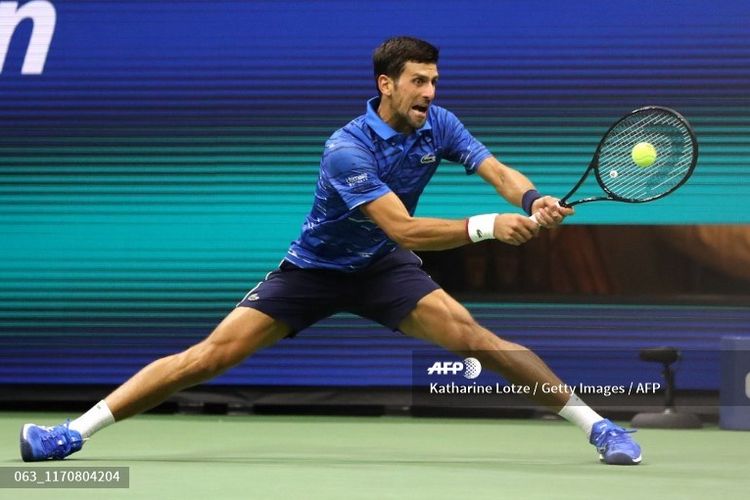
(280, 457)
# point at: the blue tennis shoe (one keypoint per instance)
(614, 444)
(43, 443)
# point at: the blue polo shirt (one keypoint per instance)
(363, 161)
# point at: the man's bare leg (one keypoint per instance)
(239, 335)
(443, 321)
(243, 332)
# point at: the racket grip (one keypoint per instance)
(535, 220)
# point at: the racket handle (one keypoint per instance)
(533, 216)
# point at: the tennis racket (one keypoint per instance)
(615, 168)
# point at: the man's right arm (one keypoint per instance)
(425, 233)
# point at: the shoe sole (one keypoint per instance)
(27, 454)
(621, 459)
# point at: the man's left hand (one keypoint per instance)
(549, 213)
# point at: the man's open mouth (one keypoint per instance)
(420, 109)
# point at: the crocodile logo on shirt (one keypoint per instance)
(428, 158)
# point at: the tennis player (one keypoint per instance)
(354, 254)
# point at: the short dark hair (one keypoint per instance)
(393, 54)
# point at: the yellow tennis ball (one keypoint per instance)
(643, 154)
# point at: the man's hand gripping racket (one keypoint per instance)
(644, 156)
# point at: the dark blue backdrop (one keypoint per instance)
(166, 155)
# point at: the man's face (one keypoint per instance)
(405, 101)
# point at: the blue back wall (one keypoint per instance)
(166, 156)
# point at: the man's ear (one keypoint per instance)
(385, 85)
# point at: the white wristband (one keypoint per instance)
(481, 227)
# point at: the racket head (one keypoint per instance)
(676, 155)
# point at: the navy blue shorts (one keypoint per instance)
(386, 292)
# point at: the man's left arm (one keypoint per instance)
(517, 189)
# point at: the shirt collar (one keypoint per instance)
(384, 130)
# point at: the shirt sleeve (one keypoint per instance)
(352, 172)
(460, 146)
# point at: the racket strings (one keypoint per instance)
(644, 182)
(634, 178)
(674, 146)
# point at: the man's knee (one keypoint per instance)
(206, 360)
(464, 332)
(463, 325)
(242, 333)
(469, 335)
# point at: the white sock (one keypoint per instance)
(98, 417)
(579, 413)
